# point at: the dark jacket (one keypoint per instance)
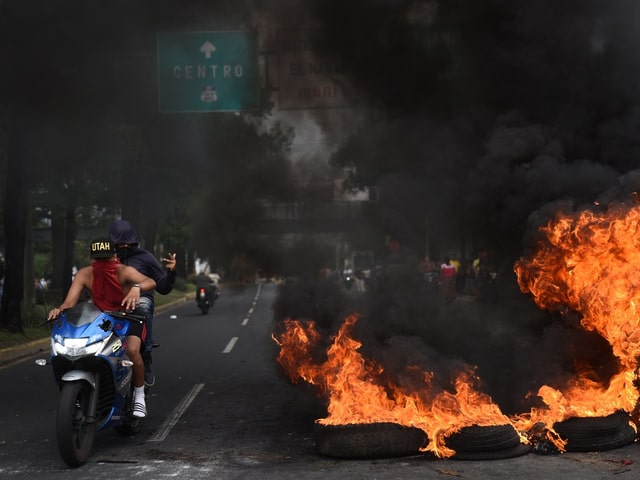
(122, 232)
(147, 264)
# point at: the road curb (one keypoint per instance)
(17, 353)
(26, 350)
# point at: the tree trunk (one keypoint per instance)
(58, 248)
(71, 231)
(15, 227)
(150, 236)
(132, 198)
(29, 265)
(181, 266)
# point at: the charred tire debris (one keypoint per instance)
(386, 439)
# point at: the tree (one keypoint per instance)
(246, 166)
(31, 106)
(16, 195)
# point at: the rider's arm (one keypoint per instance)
(134, 283)
(165, 281)
(81, 281)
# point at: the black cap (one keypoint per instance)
(102, 248)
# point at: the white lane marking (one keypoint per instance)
(250, 311)
(245, 321)
(170, 422)
(230, 345)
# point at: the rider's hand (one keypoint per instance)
(53, 313)
(132, 299)
(170, 262)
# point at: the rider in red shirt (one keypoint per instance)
(114, 287)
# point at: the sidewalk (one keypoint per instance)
(17, 353)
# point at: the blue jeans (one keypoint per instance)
(146, 308)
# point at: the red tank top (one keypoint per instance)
(106, 291)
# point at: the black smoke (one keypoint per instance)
(495, 115)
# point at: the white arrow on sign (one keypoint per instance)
(207, 48)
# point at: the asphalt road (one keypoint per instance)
(220, 409)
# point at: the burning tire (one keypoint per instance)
(369, 440)
(590, 434)
(486, 443)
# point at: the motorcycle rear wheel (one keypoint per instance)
(74, 430)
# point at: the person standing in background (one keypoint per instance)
(448, 281)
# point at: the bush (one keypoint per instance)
(180, 284)
(34, 315)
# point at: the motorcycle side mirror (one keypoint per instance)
(41, 362)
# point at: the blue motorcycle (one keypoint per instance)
(94, 374)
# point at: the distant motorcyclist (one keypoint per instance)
(205, 281)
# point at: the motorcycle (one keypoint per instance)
(348, 281)
(206, 297)
(94, 374)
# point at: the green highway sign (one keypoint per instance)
(207, 71)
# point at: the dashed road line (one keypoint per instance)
(170, 422)
(230, 345)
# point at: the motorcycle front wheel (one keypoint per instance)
(74, 429)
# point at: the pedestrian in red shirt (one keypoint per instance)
(448, 281)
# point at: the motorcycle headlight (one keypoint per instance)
(77, 347)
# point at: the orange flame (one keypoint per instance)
(589, 263)
(358, 393)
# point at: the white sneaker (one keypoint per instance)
(139, 408)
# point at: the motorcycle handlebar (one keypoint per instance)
(126, 315)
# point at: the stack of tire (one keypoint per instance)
(592, 434)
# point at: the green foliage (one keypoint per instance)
(229, 206)
(180, 285)
(42, 264)
(81, 253)
(34, 315)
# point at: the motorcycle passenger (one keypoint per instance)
(125, 238)
(114, 287)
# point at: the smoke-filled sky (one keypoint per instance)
(474, 112)
(527, 108)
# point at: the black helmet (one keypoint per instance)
(121, 231)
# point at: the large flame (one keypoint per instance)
(358, 392)
(590, 263)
